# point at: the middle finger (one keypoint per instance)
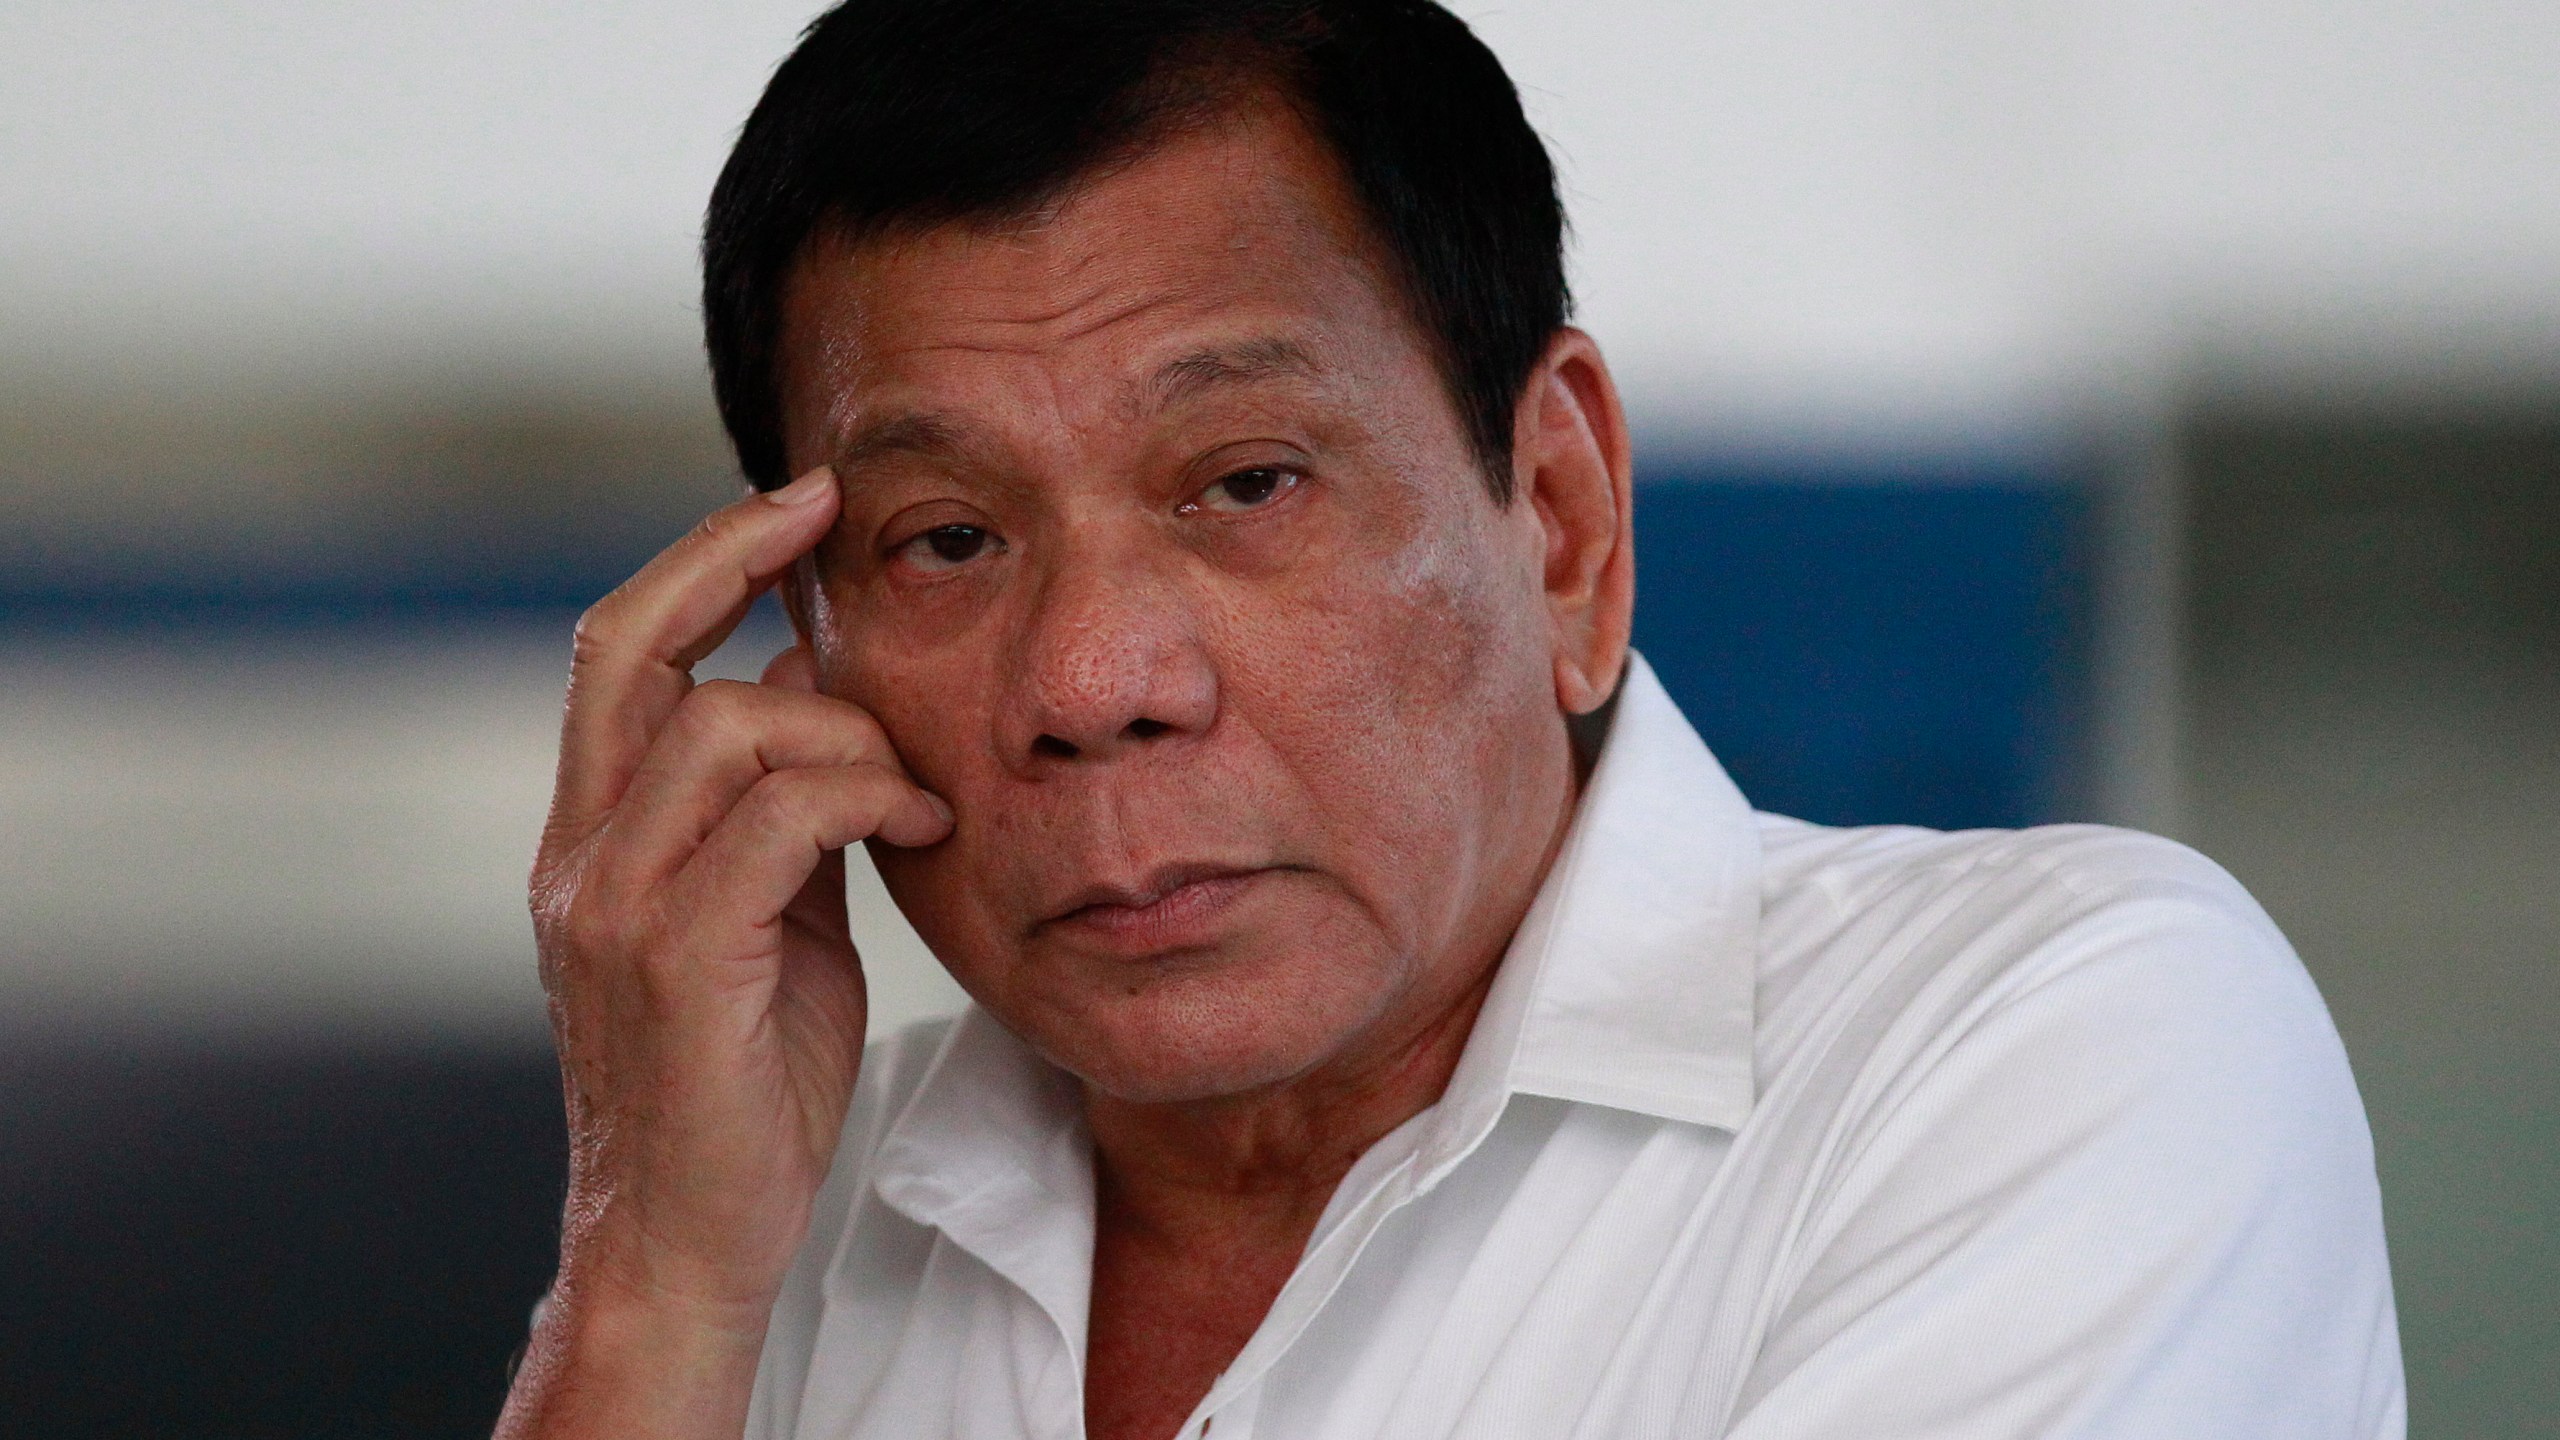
(723, 738)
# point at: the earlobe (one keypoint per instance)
(1578, 473)
(1578, 691)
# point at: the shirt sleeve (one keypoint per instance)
(2128, 1192)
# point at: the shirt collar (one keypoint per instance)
(1629, 984)
(992, 1150)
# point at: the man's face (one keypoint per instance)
(1164, 560)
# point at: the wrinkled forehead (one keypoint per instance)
(1235, 238)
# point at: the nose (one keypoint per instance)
(1109, 661)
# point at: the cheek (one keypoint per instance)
(1402, 688)
(915, 695)
(1474, 614)
(1434, 637)
(913, 683)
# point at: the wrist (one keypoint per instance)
(643, 1301)
(610, 1357)
(721, 1267)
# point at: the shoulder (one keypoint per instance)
(2051, 868)
(2071, 1072)
(1923, 928)
(2077, 1011)
(1996, 1000)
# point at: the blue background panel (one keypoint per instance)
(1882, 651)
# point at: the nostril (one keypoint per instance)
(1143, 729)
(1053, 747)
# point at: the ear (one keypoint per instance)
(1572, 464)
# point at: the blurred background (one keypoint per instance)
(2146, 412)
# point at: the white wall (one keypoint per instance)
(1859, 208)
(1795, 215)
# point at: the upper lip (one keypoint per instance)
(1156, 885)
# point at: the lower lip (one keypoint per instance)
(1184, 917)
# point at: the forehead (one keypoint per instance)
(1237, 233)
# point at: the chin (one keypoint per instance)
(1195, 1030)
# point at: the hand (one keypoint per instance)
(706, 999)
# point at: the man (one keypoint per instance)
(1210, 555)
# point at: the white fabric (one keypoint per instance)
(1766, 1130)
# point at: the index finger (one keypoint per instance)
(635, 650)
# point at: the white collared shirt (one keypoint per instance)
(1765, 1130)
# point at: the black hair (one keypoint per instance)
(900, 114)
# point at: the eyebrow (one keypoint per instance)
(1240, 364)
(917, 433)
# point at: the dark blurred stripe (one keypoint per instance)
(289, 1238)
(461, 599)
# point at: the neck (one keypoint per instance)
(1272, 1157)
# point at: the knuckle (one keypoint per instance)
(579, 920)
(831, 805)
(873, 740)
(867, 794)
(874, 780)
(812, 803)
(717, 530)
(600, 935)
(587, 931)
(597, 631)
(780, 801)
(718, 707)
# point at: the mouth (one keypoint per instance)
(1175, 906)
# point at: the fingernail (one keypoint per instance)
(807, 489)
(940, 807)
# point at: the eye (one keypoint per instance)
(946, 547)
(1246, 490)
